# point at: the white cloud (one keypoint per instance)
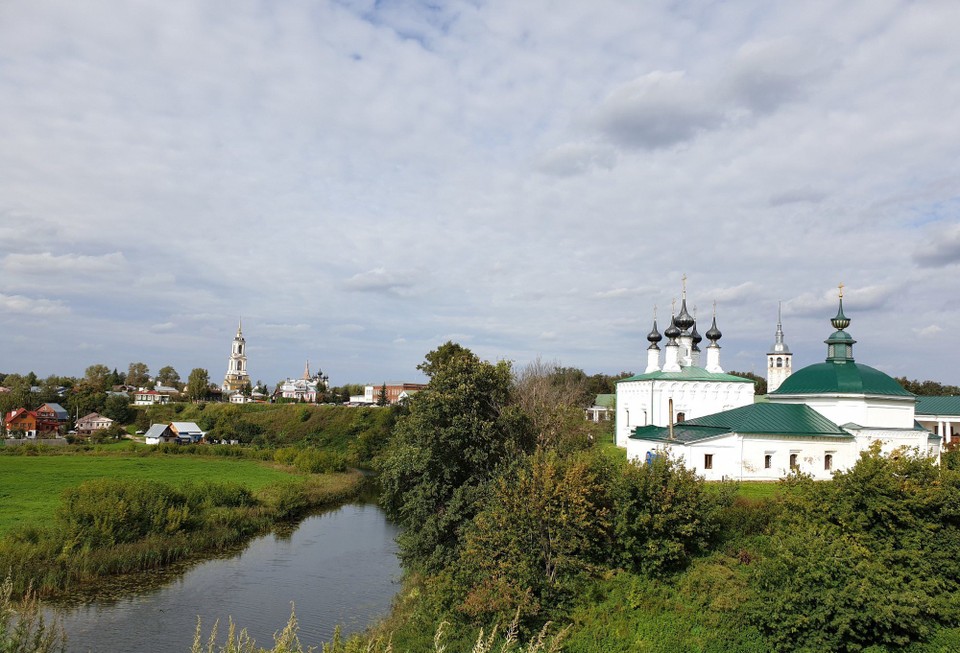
(508, 170)
(20, 305)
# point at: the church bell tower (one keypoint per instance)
(779, 359)
(237, 377)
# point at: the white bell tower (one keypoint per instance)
(779, 358)
(237, 377)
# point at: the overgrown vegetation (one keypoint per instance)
(649, 557)
(114, 526)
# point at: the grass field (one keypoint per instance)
(30, 486)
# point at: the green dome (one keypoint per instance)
(840, 378)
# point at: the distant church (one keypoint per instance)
(815, 420)
(236, 378)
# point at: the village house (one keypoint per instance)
(159, 433)
(91, 423)
(187, 432)
(394, 393)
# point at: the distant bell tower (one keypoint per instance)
(237, 376)
(779, 364)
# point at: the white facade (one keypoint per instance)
(237, 376)
(818, 421)
(646, 401)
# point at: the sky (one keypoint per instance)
(363, 181)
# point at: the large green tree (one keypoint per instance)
(198, 384)
(458, 433)
(169, 377)
(138, 375)
(98, 377)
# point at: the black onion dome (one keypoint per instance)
(684, 320)
(713, 333)
(672, 331)
(697, 338)
(654, 335)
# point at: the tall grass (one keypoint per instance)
(116, 526)
(497, 640)
(22, 626)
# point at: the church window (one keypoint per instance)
(779, 362)
(681, 417)
(828, 461)
(708, 461)
(768, 461)
(793, 461)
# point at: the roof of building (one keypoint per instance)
(58, 410)
(765, 419)
(185, 427)
(941, 405)
(605, 400)
(94, 417)
(156, 431)
(689, 373)
(844, 377)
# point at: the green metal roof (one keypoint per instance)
(605, 400)
(687, 374)
(844, 377)
(769, 418)
(943, 405)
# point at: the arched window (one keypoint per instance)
(681, 417)
(779, 362)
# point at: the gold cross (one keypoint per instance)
(841, 289)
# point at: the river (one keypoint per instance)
(338, 567)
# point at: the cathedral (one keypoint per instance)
(674, 387)
(815, 420)
(236, 378)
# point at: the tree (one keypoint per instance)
(441, 356)
(759, 383)
(168, 376)
(870, 559)
(138, 375)
(117, 408)
(98, 377)
(246, 390)
(458, 432)
(543, 530)
(553, 397)
(382, 395)
(198, 384)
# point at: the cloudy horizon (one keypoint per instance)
(362, 181)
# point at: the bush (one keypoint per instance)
(311, 461)
(105, 512)
(663, 514)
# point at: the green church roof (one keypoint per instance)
(605, 400)
(687, 374)
(755, 419)
(844, 377)
(942, 405)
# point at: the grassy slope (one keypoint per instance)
(30, 486)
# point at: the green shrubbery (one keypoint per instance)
(111, 526)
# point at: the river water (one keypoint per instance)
(339, 567)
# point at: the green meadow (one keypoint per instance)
(31, 486)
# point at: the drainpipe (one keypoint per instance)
(670, 404)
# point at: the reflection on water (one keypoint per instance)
(339, 567)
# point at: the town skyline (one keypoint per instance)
(362, 182)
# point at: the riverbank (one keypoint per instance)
(111, 526)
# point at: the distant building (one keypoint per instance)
(309, 388)
(43, 422)
(92, 422)
(395, 393)
(159, 433)
(236, 377)
(941, 415)
(150, 398)
(779, 359)
(187, 432)
(603, 408)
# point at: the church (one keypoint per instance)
(815, 420)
